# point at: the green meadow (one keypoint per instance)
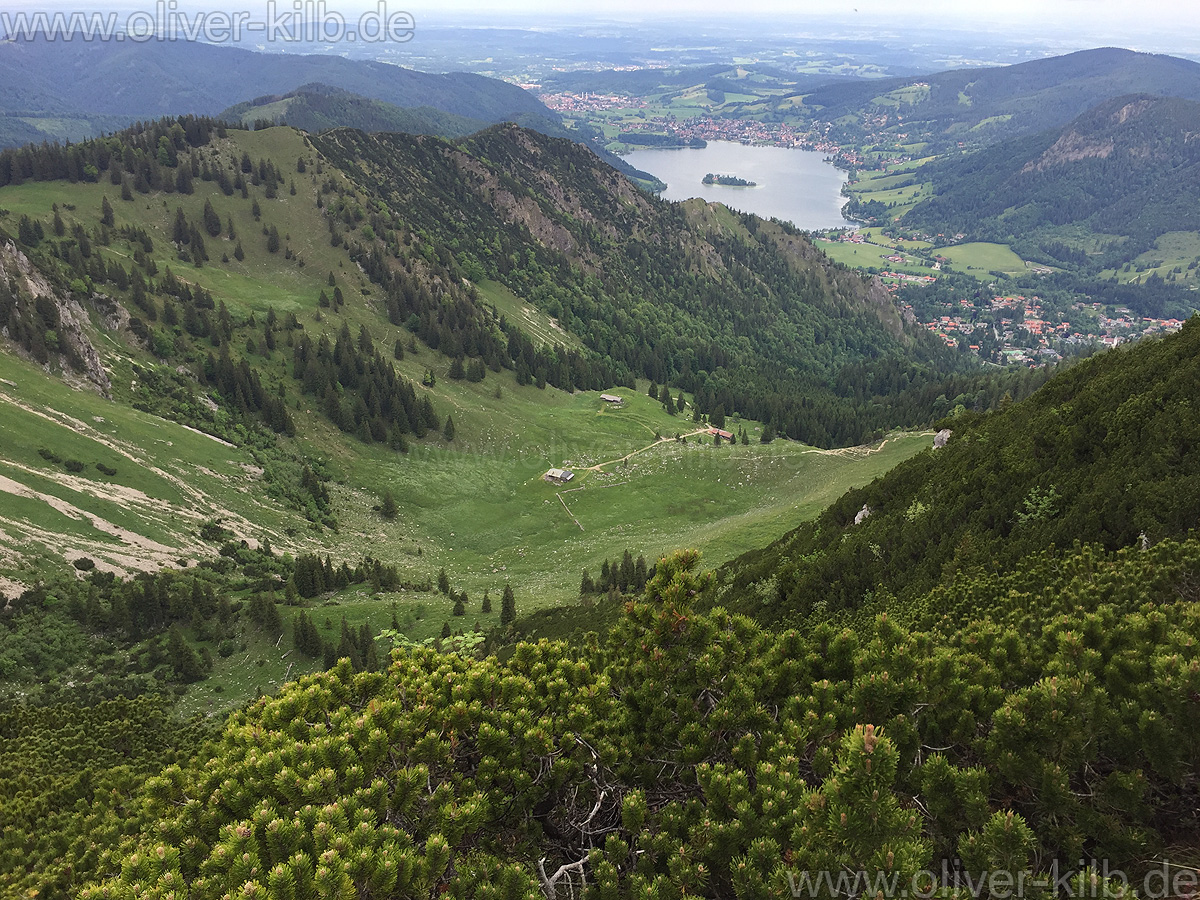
(982, 259)
(1175, 257)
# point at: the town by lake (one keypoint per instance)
(798, 186)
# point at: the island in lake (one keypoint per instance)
(728, 180)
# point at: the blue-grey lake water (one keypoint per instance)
(797, 186)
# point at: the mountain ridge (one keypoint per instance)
(319, 107)
(1128, 168)
(982, 106)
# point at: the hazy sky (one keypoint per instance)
(1162, 25)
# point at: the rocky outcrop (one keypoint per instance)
(73, 347)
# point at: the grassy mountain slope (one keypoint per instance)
(982, 106)
(1129, 167)
(316, 107)
(1102, 453)
(475, 505)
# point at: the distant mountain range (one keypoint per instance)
(70, 90)
(975, 107)
(74, 89)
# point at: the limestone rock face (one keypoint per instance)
(78, 354)
(939, 439)
(863, 514)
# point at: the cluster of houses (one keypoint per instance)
(1027, 334)
(587, 101)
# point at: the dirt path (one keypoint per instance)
(599, 467)
(860, 451)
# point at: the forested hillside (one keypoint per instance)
(1103, 453)
(746, 314)
(1128, 168)
(318, 107)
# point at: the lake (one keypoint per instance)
(797, 186)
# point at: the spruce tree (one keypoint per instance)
(106, 215)
(183, 657)
(508, 606)
(212, 222)
(388, 508)
(487, 602)
(448, 431)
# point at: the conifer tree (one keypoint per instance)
(212, 222)
(106, 215)
(183, 657)
(508, 606)
(388, 508)
(487, 602)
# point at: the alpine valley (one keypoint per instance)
(398, 499)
